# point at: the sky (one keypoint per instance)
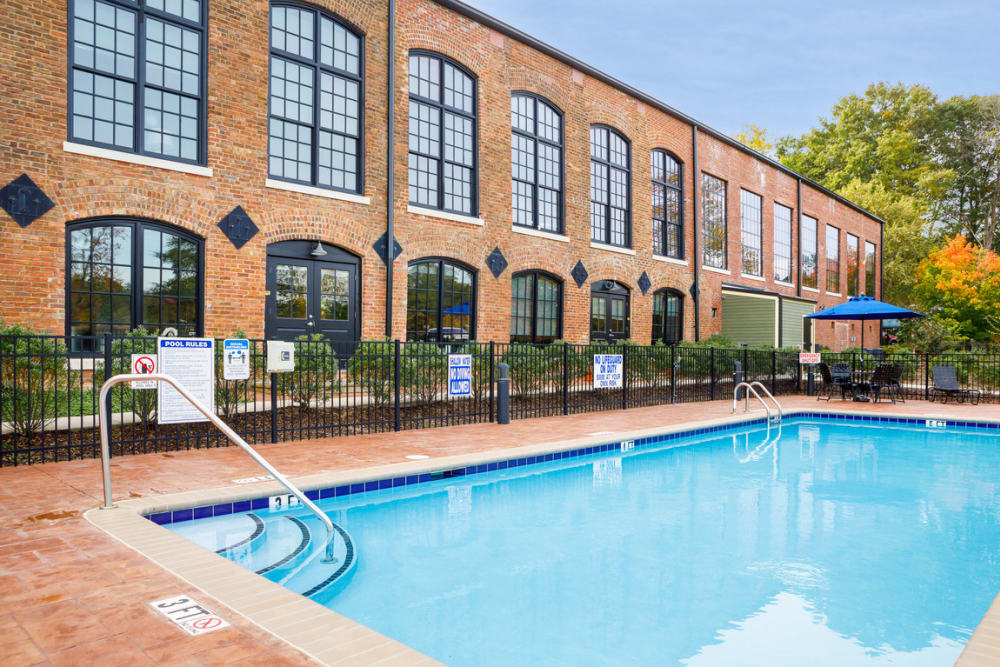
(777, 64)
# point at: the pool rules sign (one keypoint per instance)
(190, 361)
(607, 371)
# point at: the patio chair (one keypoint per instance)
(833, 380)
(886, 378)
(877, 353)
(946, 386)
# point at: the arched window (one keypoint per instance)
(314, 122)
(137, 80)
(535, 308)
(123, 273)
(442, 160)
(668, 198)
(668, 316)
(536, 161)
(440, 301)
(610, 187)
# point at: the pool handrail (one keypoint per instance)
(221, 425)
(751, 388)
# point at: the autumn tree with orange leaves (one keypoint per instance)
(960, 285)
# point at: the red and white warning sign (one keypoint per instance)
(143, 364)
(189, 615)
(809, 358)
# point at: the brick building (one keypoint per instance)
(203, 165)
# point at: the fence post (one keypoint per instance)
(395, 387)
(624, 377)
(711, 381)
(565, 387)
(274, 407)
(927, 376)
(673, 374)
(108, 372)
(492, 364)
(747, 375)
(774, 371)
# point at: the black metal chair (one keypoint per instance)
(946, 385)
(885, 378)
(877, 353)
(840, 378)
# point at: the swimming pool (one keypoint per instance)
(839, 543)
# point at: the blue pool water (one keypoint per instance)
(840, 544)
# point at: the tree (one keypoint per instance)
(755, 137)
(960, 284)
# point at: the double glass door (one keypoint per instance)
(609, 319)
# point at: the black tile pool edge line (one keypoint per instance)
(222, 509)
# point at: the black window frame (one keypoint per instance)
(665, 293)
(759, 235)
(137, 225)
(443, 108)
(679, 189)
(814, 262)
(141, 11)
(628, 185)
(561, 147)
(784, 242)
(318, 68)
(473, 307)
(535, 274)
(827, 263)
(706, 194)
(870, 284)
(853, 289)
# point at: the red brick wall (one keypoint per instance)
(33, 123)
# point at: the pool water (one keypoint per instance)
(838, 543)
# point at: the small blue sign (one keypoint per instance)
(459, 375)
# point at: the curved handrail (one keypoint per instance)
(221, 425)
(751, 389)
(767, 392)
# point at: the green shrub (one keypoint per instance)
(32, 381)
(141, 402)
(424, 371)
(316, 376)
(372, 369)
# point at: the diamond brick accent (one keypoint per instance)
(238, 227)
(380, 247)
(644, 283)
(24, 201)
(497, 262)
(579, 274)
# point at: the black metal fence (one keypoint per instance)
(49, 397)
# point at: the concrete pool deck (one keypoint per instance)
(71, 594)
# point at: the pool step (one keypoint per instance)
(322, 568)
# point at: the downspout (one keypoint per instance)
(798, 234)
(390, 200)
(695, 260)
(881, 265)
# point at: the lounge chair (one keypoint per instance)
(840, 378)
(946, 385)
(886, 378)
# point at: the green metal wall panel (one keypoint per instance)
(749, 319)
(792, 323)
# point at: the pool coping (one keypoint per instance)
(333, 639)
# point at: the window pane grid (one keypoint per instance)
(442, 139)
(610, 213)
(750, 233)
(832, 259)
(315, 83)
(852, 265)
(666, 195)
(713, 221)
(440, 302)
(782, 243)
(535, 309)
(869, 269)
(809, 252)
(157, 50)
(667, 317)
(536, 163)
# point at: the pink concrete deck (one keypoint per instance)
(71, 595)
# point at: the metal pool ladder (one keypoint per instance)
(751, 388)
(221, 425)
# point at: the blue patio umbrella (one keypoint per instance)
(864, 308)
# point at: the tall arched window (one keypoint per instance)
(536, 161)
(535, 308)
(440, 301)
(314, 124)
(123, 273)
(137, 79)
(442, 160)
(610, 187)
(668, 316)
(668, 184)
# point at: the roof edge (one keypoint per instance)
(549, 50)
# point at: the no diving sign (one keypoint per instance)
(189, 615)
(144, 364)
